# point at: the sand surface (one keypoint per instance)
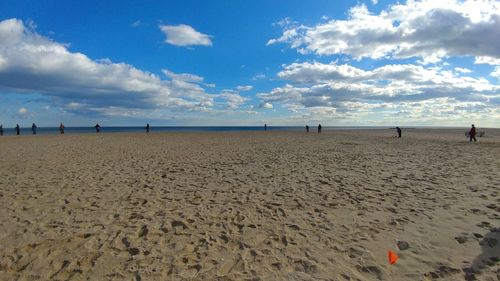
(250, 206)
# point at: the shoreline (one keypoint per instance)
(270, 130)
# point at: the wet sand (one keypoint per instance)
(250, 206)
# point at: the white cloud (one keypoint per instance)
(374, 2)
(184, 35)
(244, 88)
(187, 77)
(232, 100)
(259, 76)
(350, 92)
(33, 63)
(427, 29)
(487, 60)
(285, 22)
(462, 70)
(496, 72)
(266, 105)
(23, 111)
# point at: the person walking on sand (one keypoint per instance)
(97, 128)
(307, 128)
(265, 127)
(399, 131)
(472, 133)
(147, 128)
(18, 130)
(319, 128)
(33, 128)
(1, 130)
(61, 128)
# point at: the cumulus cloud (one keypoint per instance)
(462, 70)
(23, 111)
(487, 60)
(496, 72)
(266, 105)
(184, 35)
(32, 63)
(426, 29)
(231, 99)
(348, 90)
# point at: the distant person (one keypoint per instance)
(399, 131)
(307, 128)
(265, 127)
(61, 128)
(319, 128)
(97, 128)
(147, 128)
(18, 130)
(1, 130)
(33, 128)
(472, 133)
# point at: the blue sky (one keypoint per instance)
(250, 62)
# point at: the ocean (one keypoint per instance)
(156, 129)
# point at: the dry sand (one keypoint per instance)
(250, 206)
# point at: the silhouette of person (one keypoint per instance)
(472, 133)
(147, 128)
(18, 130)
(97, 128)
(319, 128)
(399, 131)
(61, 128)
(265, 127)
(307, 128)
(1, 130)
(33, 128)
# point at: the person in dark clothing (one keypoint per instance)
(33, 128)
(147, 128)
(472, 133)
(97, 128)
(399, 131)
(319, 128)
(265, 127)
(1, 130)
(18, 130)
(307, 128)
(61, 128)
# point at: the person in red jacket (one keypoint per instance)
(472, 134)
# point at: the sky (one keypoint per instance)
(235, 62)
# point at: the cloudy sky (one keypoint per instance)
(283, 62)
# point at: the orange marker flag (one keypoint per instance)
(392, 257)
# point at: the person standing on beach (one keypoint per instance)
(1, 130)
(399, 131)
(147, 128)
(97, 128)
(33, 128)
(472, 134)
(307, 128)
(265, 127)
(18, 130)
(61, 128)
(319, 128)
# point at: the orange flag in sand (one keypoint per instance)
(392, 257)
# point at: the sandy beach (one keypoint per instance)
(250, 206)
